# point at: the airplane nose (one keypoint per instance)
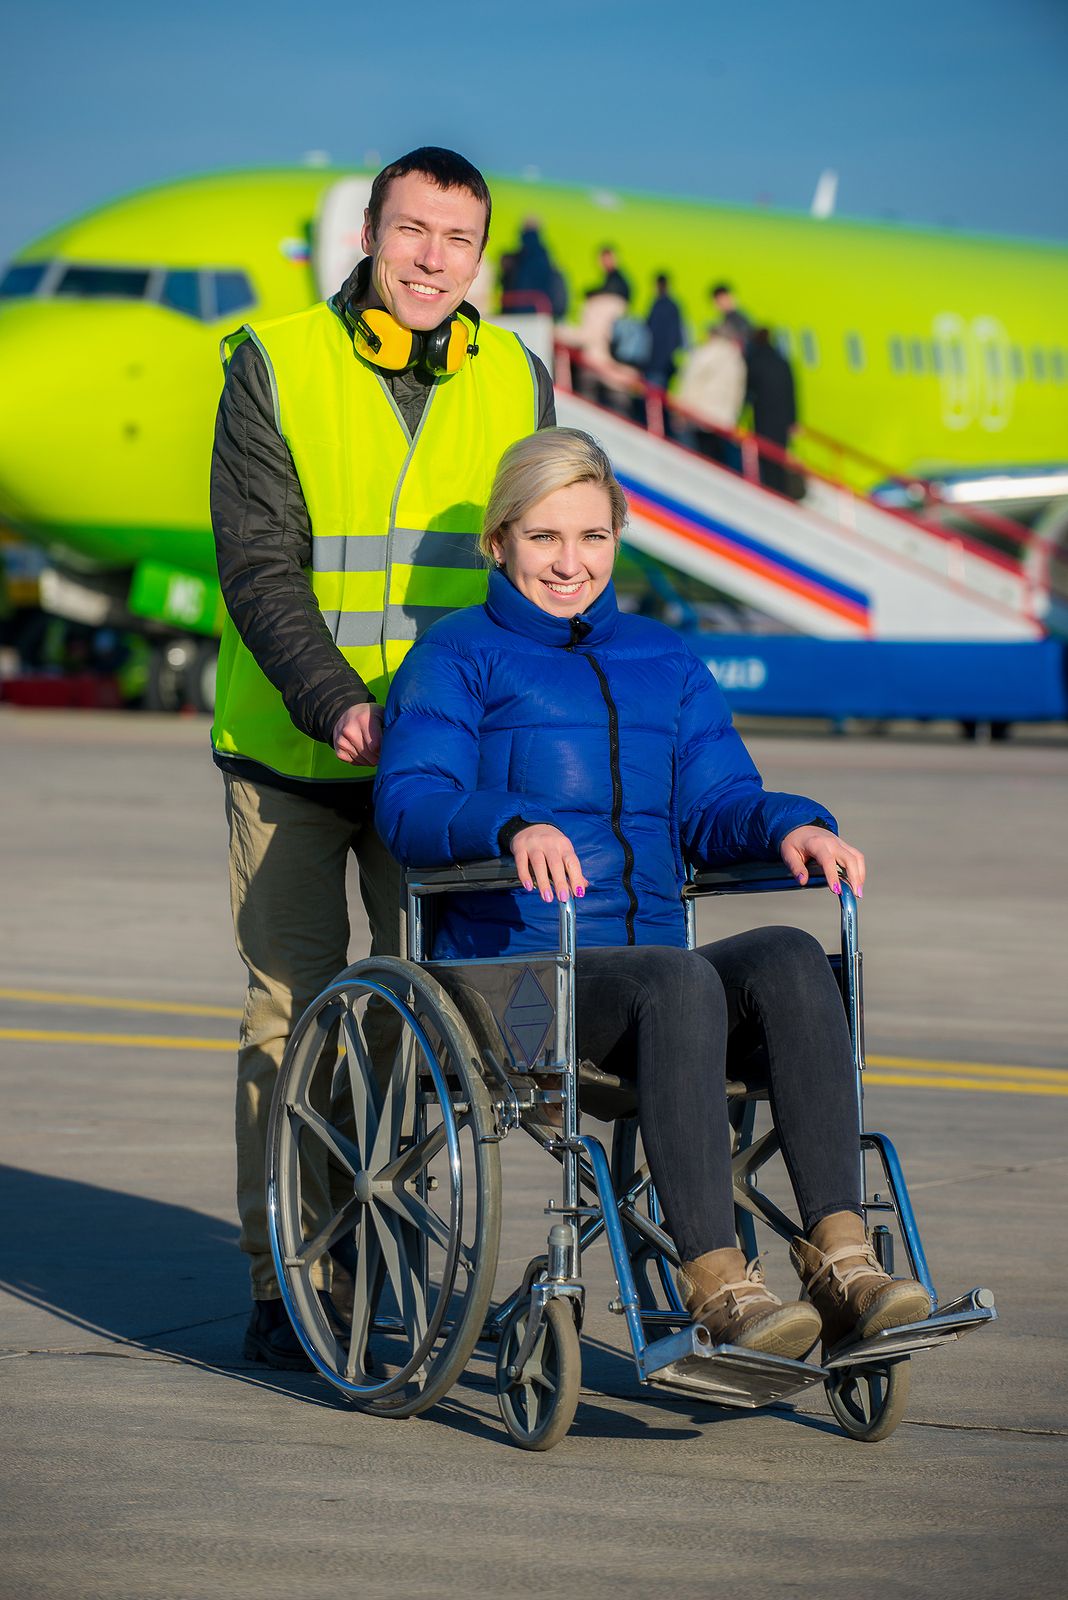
(105, 427)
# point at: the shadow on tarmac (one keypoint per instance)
(163, 1279)
(148, 1275)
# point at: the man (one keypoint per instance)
(354, 449)
(614, 280)
(668, 335)
(734, 320)
(771, 392)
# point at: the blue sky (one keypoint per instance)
(952, 112)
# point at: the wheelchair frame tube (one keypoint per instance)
(617, 1244)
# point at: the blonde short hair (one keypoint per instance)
(553, 458)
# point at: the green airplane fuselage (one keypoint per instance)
(924, 349)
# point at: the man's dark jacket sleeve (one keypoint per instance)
(263, 547)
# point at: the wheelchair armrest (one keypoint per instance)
(749, 877)
(496, 873)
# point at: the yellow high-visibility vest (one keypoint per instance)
(395, 519)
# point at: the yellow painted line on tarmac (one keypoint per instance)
(173, 1008)
(976, 1085)
(981, 1077)
(139, 1041)
(971, 1069)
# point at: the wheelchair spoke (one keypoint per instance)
(326, 1238)
(404, 1274)
(415, 1211)
(411, 1162)
(367, 1287)
(398, 1103)
(361, 1083)
(342, 1149)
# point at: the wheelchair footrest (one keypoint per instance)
(723, 1374)
(951, 1321)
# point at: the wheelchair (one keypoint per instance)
(384, 1189)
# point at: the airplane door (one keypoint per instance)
(337, 232)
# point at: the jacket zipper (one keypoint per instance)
(617, 794)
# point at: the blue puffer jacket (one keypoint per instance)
(605, 725)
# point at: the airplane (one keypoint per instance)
(933, 351)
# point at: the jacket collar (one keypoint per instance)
(512, 610)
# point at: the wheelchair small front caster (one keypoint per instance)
(538, 1405)
(869, 1402)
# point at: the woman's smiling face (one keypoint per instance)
(561, 551)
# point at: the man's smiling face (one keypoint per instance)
(425, 251)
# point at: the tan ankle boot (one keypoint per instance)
(730, 1299)
(848, 1287)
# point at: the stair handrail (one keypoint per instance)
(752, 447)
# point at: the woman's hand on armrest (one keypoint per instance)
(827, 853)
(546, 857)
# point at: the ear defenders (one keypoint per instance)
(383, 341)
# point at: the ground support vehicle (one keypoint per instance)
(384, 1190)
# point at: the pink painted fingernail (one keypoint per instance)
(547, 895)
(860, 894)
(563, 894)
(579, 892)
(527, 884)
(836, 888)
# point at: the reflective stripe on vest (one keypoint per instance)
(395, 519)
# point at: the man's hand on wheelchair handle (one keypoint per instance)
(358, 735)
(827, 853)
(546, 857)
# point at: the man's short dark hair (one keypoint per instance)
(443, 167)
(720, 288)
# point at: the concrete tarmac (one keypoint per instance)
(142, 1457)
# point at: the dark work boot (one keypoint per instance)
(269, 1338)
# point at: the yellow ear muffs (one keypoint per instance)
(380, 339)
(386, 343)
(445, 348)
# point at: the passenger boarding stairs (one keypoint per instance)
(832, 566)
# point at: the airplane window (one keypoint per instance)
(233, 292)
(1016, 362)
(181, 292)
(783, 342)
(855, 351)
(897, 355)
(1038, 365)
(98, 283)
(1056, 365)
(934, 356)
(993, 360)
(22, 278)
(916, 355)
(956, 358)
(809, 353)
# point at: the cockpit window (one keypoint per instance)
(181, 292)
(233, 292)
(103, 283)
(195, 292)
(23, 278)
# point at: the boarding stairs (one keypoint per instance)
(833, 565)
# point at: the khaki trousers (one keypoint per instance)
(287, 892)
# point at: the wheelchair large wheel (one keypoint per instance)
(538, 1405)
(869, 1402)
(384, 1187)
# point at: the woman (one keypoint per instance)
(596, 749)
